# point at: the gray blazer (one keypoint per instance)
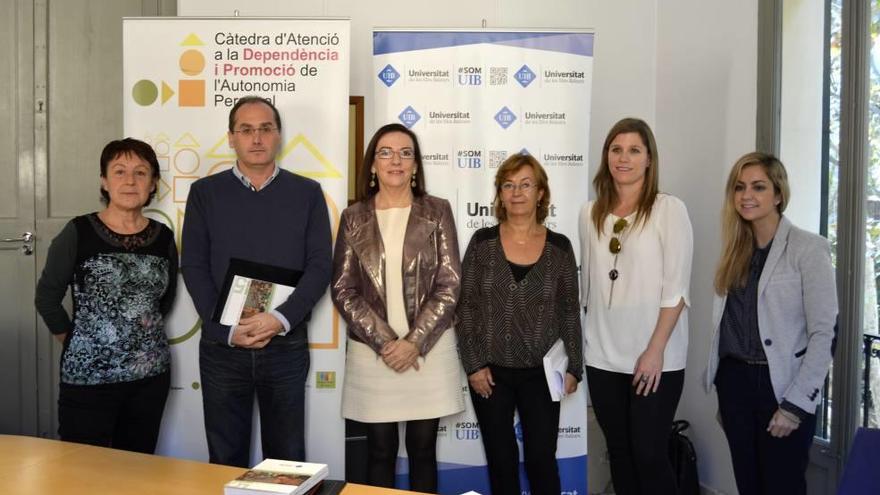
(797, 313)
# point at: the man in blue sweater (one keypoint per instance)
(260, 213)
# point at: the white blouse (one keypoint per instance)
(653, 272)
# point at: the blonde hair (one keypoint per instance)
(737, 238)
(603, 182)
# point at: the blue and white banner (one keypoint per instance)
(181, 78)
(474, 98)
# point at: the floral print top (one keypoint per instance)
(122, 286)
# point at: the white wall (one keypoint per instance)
(688, 67)
(706, 105)
(801, 114)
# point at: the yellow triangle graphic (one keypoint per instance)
(180, 216)
(162, 189)
(328, 171)
(215, 152)
(191, 40)
(167, 92)
(187, 141)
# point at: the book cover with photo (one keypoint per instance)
(250, 288)
(274, 476)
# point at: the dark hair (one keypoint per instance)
(253, 99)
(129, 146)
(512, 165)
(364, 189)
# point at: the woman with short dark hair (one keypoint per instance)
(121, 268)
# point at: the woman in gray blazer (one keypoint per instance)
(774, 319)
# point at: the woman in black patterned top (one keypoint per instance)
(122, 271)
(519, 296)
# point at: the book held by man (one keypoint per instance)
(250, 288)
(555, 367)
(274, 476)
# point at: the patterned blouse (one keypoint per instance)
(513, 323)
(122, 287)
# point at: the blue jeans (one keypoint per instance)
(230, 377)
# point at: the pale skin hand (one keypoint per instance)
(649, 366)
(400, 355)
(481, 381)
(571, 384)
(256, 331)
(780, 426)
(60, 337)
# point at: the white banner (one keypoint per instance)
(474, 98)
(181, 77)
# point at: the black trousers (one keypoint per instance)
(762, 464)
(421, 451)
(123, 415)
(524, 390)
(636, 429)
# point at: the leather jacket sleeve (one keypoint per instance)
(436, 310)
(347, 289)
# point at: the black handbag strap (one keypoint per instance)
(679, 426)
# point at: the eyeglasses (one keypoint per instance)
(405, 154)
(252, 131)
(523, 187)
(614, 245)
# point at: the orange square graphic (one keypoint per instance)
(191, 92)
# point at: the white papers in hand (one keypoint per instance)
(555, 366)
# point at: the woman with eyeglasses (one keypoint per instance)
(636, 247)
(774, 317)
(519, 296)
(396, 276)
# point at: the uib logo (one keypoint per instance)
(409, 116)
(470, 76)
(389, 75)
(505, 117)
(524, 76)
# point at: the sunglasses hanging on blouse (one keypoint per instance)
(615, 245)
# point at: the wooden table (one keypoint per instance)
(37, 466)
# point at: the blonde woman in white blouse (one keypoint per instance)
(636, 249)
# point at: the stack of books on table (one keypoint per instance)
(273, 476)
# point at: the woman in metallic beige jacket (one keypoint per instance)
(396, 277)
